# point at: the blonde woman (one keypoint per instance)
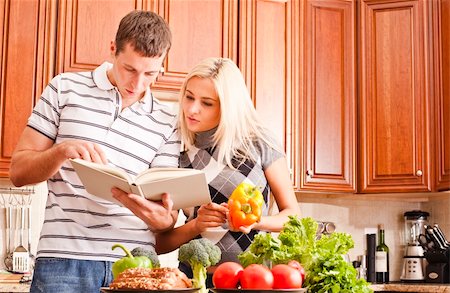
(224, 137)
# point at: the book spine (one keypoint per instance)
(136, 189)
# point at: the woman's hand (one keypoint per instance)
(209, 216)
(157, 215)
(243, 229)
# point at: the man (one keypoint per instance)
(107, 116)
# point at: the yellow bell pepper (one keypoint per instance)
(245, 205)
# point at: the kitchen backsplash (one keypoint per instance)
(356, 217)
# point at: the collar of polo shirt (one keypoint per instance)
(101, 80)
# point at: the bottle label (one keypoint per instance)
(381, 262)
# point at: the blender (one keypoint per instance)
(414, 259)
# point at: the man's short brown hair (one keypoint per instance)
(146, 31)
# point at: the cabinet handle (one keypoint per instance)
(419, 173)
(309, 173)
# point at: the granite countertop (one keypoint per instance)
(412, 287)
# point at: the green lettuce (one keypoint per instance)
(326, 269)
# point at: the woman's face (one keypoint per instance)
(201, 105)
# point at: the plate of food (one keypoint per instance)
(151, 280)
(299, 290)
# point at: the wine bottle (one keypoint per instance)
(381, 258)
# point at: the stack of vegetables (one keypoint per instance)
(315, 264)
(322, 259)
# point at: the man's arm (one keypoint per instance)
(36, 157)
(169, 152)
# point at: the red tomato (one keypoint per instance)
(226, 275)
(286, 277)
(256, 276)
(296, 265)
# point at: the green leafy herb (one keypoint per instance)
(326, 269)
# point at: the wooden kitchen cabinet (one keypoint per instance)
(382, 125)
(85, 31)
(26, 39)
(200, 29)
(264, 52)
(394, 112)
(76, 36)
(232, 29)
(328, 109)
(441, 31)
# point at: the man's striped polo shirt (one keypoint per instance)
(86, 106)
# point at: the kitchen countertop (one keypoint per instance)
(11, 282)
(412, 287)
(14, 287)
(393, 287)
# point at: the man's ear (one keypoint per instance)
(113, 48)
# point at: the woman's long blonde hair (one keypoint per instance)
(239, 125)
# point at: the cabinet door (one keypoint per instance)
(442, 53)
(85, 31)
(200, 29)
(328, 120)
(393, 117)
(265, 50)
(262, 55)
(26, 34)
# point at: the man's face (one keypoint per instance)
(132, 73)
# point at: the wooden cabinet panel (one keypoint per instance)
(394, 140)
(85, 31)
(200, 29)
(21, 52)
(442, 70)
(264, 65)
(2, 21)
(328, 120)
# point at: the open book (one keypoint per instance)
(187, 187)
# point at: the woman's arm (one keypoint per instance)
(277, 175)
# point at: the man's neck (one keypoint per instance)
(128, 102)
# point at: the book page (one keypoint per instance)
(185, 191)
(105, 168)
(155, 174)
(99, 179)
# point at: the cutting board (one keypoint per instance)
(10, 278)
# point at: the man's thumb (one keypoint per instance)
(167, 201)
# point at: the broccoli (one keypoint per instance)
(200, 254)
(151, 254)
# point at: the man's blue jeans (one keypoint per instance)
(60, 275)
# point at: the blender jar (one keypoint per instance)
(414, 226)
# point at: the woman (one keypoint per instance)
(223, 136)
